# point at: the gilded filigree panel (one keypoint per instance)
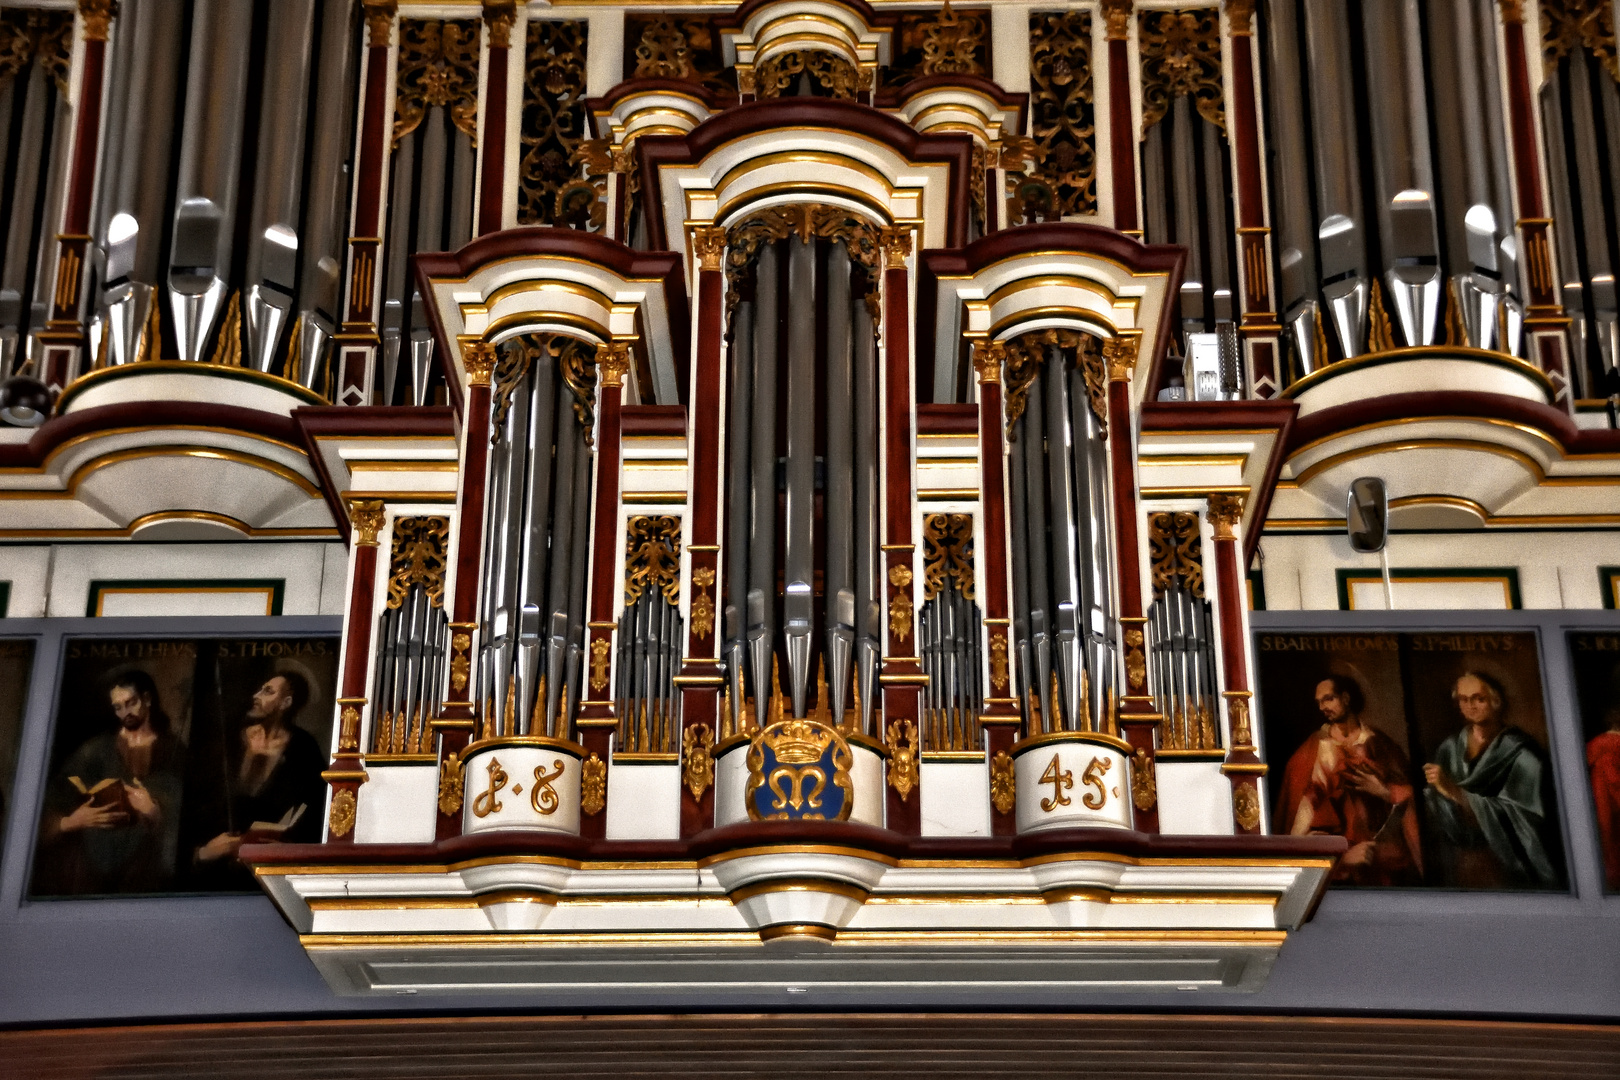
(1181, 57)
(947, 554)
(37, 37)
(1024, 356)
(1176, 552)
(943, 42)
(677, 46)
(549, 182)
(837, 76)
(806, 221)
(438, 66)
(1572, 24)
(652, 557)
(417, 556)
(1063, 180)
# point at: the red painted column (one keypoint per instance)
(62, 342)
(596, 721)
(701, 676)
(1002, 721)
(1544, 321)
(1243, 766)
(1121, 121)
(1259, 326)
(901, 678)
(459, 715)
(348, 764)
(357, 339)
(499, 15)
(1138, 721)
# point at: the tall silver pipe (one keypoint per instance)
(396, 254)
(463, 170)
(1594, 241)
(865, 460)
(1340, 229)
(739, 403)
(839, 489)
(1567, 249)
(1184, 185)
(536, 533)
(798, 563)
(211, 140)
(141, 185)
(272, 267)
(580, 553)
(1402, 162)
(51, 210)
(1155, 209)
(25, 190)
(762, 452)
(1018, 512)
(329, 145)
(562, 540)
(1296, 240)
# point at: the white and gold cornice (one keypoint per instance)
(821, 25)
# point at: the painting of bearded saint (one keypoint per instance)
(1350, 779)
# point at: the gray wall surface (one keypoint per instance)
(1413, 952)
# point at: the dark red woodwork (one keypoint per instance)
(948, 419)
(312, 423)
(604, 544)
(1122, 136)
(1002, 719)
(492, 181)
(1259, 320)
(357, 635)
(894, 98)
(374, 128)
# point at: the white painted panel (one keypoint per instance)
(301, 567)
(644, 802)
(397, 805)
(1439, 594)
(955, 798)
(185, 601)
(1195, 799)
(28, 571)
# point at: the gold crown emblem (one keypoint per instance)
(798, 742)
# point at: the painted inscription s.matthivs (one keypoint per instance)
(1427, 752)
(170, 754)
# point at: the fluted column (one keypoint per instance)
(1121, 120)
(1243, 766)
(1259, 326)
(347, 771)
(596, 720)
(1002, 719)
(499, 15)
(700, 678)
(1545, 321)
(62, 342)
(458, 718)
(1138, 722)
(902, 677)
(357, 341)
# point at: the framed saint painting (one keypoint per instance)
(1595, 657)
(168, 754)
(1428, 752)
(16, 664)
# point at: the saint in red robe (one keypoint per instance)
(1319, 797)
(1603, 760)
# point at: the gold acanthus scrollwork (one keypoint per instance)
(366, 519)
(1024, 356)
(697, 761)
(349, 730)
(807, 221)
(834, 73)
(418, 556)
(652, 557)
(550, 189)
(37, 37)
(951, 43)
(438, 66)
(1176, 551)
(901, 607)
(999, 671)
(1567, 25)
(460, 663)
(702, 602)
(1181, 57)
(592, 785)
(450, 784)
(904, 769)
(678, 46)
(340, 820)
(600, 651)
(499, 16)
(1245, 807)
(947, 554)
(1003, 783)
(578, 370)
(1063, 178)
(1135, 659)
(517, 355)
(1144, 788)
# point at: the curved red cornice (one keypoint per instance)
(547, 240)
(712, 100)
(1082, 237)
(778, 114)
(738, 17)
(145, 414)
(358, 422)
(895, 97)
(1453, 404)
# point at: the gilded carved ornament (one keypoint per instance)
(418, 556)
(438, 66)
(901, 607)
(1512, 11)
(460, 664)
(697, 761)
(951, 43)
(1120, 352)
(1176, 551)
(380, 15)
(1024, 356)
(341, 819)
(1003, 783)
(947, 554)
(896, 245)
(709, 245)
(612, 363)
(1144, 787)
(1567, 25)
(1063, 122)
(1181, 57)
(702, 602)
(652, 557)
(988, 357)
(349, 730)
(592, 785)
(366, 518)
(97, 16)
(1240, 16)
(678, 46)
(1246, 807)
(600, 651)
(479, 358)
(1225, 511)
(903, 765)
(499, 16)
(807, 221)
(450, 784)
(550, 188)
(834, 73)
(1237, 711)
(1117, 17)
(44, 38)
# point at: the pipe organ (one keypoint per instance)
(801, 463)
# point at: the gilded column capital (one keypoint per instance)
(97, 17)
(746, 82)
(1225, 511)
(988, 358)
(478, 357)
(1512, 11)
(1240, 16)
(380, 15)
(896, 240)
(612, 363)
(499, 15)
(1117, 16)
(366, 518)
(1120, 352)
(709, 245)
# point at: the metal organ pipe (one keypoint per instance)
(1040, 609)
(868, 584)
(210, 158)
(1065, 557)
(839, 495)
(799, 587)
(1588, 170)
(740, 401)
(1296, 242)
(1340, 230)
(762, 452)
(272, 264)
